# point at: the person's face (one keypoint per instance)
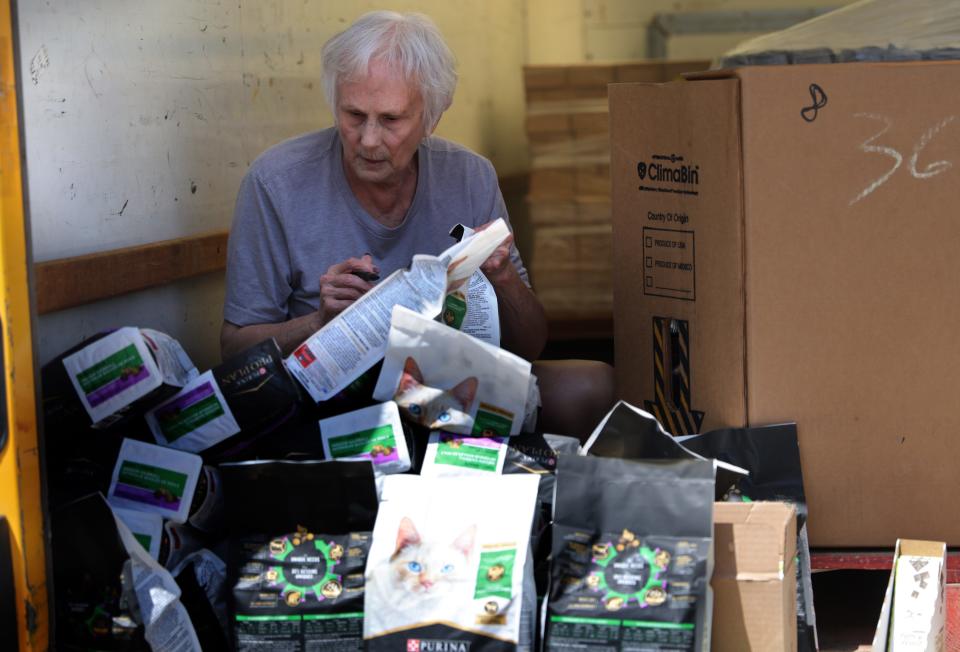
(380, 119)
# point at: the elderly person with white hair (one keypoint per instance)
(319, 216)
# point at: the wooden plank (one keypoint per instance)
(70, 282)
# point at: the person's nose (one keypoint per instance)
(370, 134)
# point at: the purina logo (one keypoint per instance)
(428, 645)
(673, 170)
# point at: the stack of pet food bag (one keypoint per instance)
(382, 487)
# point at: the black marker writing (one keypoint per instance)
(809, 113)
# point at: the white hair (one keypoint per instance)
(410, 42)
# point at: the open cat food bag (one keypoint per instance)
(155, 479)
(448, 564)
(472, 307)
(114, 375)
(632, 555)
(627, 432)
(111, 595)
(251, 392)
(457, 455)
(356, 339)
(299, 533)
(772, 456)
(374, 433)
(443, 379)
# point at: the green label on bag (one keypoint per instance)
(176, 424)
(491, 422)
(364, 442)
(126, 361)
(495, 575)
(454, 310)
(150, 484)
(456, 452)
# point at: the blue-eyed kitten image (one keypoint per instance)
(436, 409)
(422, 581)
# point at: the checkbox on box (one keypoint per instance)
(648, 242)
(649, 282)
(648, 261)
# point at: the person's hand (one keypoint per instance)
(344, 283)
(498, 267)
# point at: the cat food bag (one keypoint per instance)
(195, 418)
(374, 433)
(632, 555)
(772, 456)
(355, 340)
(536, 454)
(299, 534)
(111, 594)
(446, 380)
(114, 375)
(155, 479)
(448, 564)
(627, 432)
(146, 527)
(457, 455)
(472, 308)
(251, 393)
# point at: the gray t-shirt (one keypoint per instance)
(296, 216)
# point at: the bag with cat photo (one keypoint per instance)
(443, 379)
(449, 565)
(299, 533)
(632, 555)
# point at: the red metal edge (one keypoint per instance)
(823, 560)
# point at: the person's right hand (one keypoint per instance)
(341, 286)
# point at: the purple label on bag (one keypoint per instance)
(180, 403)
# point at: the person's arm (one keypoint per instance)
(523, 323)
(339, 287)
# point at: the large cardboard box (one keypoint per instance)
(754, 577)
(787, 246)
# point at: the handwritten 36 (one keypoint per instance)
(928, 171)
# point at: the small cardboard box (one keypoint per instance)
(754, 578)
(913, 618)
(785, 247)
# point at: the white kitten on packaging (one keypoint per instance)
(448, 559)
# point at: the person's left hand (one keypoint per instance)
(498, 267)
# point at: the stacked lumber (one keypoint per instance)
(569, 197)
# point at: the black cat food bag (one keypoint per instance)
(632, 555)
(629, 433)
(111, 594)
(88, 556)
(772, 456)
(299, 535)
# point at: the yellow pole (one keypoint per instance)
(21, 499)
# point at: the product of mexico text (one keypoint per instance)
(152, 478)
(631, 555)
